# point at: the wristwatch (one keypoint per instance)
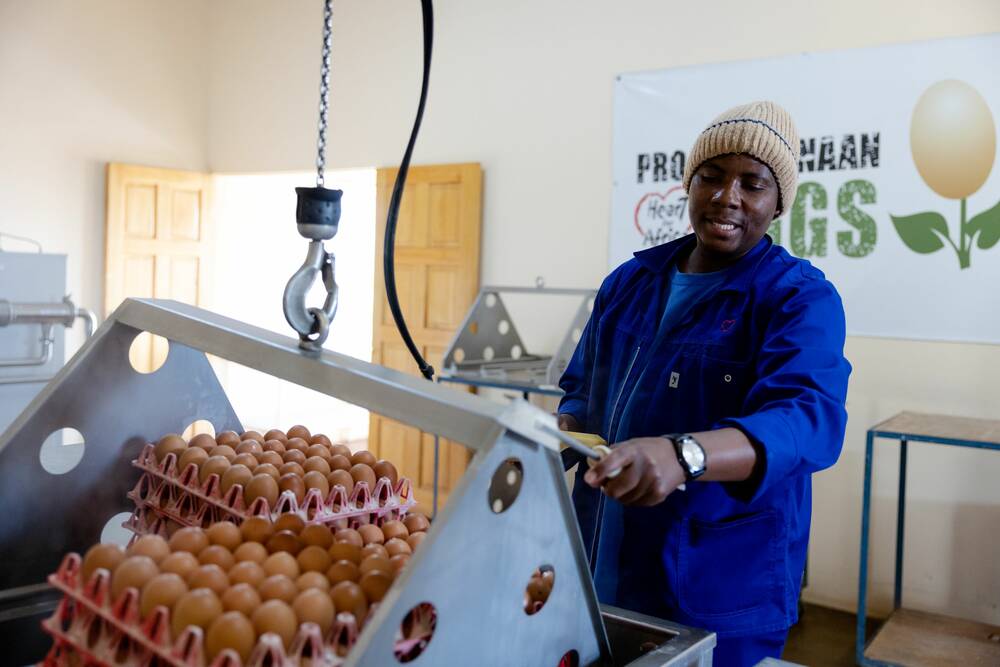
(690, 454)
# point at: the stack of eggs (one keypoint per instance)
(268, 465)
(239, 582)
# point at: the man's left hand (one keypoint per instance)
(649, 472)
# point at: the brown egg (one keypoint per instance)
(106, 556)
(345, 551)
(289, 521)
(164, 589)
(298, 431)
(316, 534)
(275, 434)
(203, 441)
(278, 587)
(276, 446)
(343, 478)
(342, 570)
(196, 607)
(318, 464)
(225, 534)
(284, 541)
(371, 534)
(261, 486)
(398, 562)
(133, 572)
(252, 435)
(320, 439)
(384, 468)
(416, 523)
(291, 469)
(313, 559)
(257, 529)
(153, 546)
(181, 563)
(297, 444)
(223, 450)
(391, 529)
(282, 562)
(316, 480)
(348, 597)
(249, 447)
(190, 538)
(294, 456)
(253, 552)
(247, 572)
(313, 580)
(194, 455)
(373, 549)
(277, 617)
(363, 473)
(340, 462)
(213, 465)
(321, 451)
(373, 563)
(397, 546)
(248, 460)
(268, 469)
(229, 438)
(243, 598)
(232, 630)
(375, 584)
(415, 539)
(237, 474)
(314, 606)
(293, 483)
(216, 554)
(363, 456)
(169, 444)
(341, 450)
(209, 576)
(349, 535)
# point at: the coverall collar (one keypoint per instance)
(659, 259)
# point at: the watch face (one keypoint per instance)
(693, 455)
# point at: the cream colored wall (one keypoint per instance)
(81, 84)
(524, 87)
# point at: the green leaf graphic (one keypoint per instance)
(918, 231)
(987, 224)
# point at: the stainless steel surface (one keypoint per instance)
(43, 357)
(47, 315)
(570, 441)
(631, 634)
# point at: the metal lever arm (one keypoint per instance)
(312, 324)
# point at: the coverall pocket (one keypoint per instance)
(730, 567)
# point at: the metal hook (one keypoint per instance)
(312, 324)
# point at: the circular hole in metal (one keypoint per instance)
(516, 352)
(62, 451)
(503, 327)
(148, 352)
(491, 300)
(488, 353)
(197, 427)
(577, 333)
(539, 587)
(571, 659)
(505, 485)
(415, 632)
(114, 532)
(473, 327)
(458, 355)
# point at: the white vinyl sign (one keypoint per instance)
(899, 196)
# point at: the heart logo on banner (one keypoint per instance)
(662, 217)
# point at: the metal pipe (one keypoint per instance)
(47, 315)
(43, 358)
(89, 320)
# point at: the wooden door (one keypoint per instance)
(437, 278)
(158, 236)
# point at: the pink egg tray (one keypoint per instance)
(164, 494)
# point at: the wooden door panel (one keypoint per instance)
(443, 298)
(185, 215)
(140, 211)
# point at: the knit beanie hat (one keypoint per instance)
(762, 130)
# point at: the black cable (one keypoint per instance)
(389, 248)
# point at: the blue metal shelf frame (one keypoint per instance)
(897, 597)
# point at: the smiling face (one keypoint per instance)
(732, 200)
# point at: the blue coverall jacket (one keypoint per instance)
(765, 354)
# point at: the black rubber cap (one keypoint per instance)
(318, 206)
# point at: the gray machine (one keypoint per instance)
(510, 514)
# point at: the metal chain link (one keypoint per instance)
(324, 91)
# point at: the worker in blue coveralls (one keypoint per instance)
(715, 361)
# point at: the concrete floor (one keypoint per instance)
(823, 637)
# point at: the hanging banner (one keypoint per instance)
(899, 196)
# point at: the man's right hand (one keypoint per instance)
(569, 423)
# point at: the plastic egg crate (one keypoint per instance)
(163, 495)
(90, 628)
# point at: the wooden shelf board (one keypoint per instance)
(942, 426)
(918, 639)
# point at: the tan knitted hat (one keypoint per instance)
(763, 130)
